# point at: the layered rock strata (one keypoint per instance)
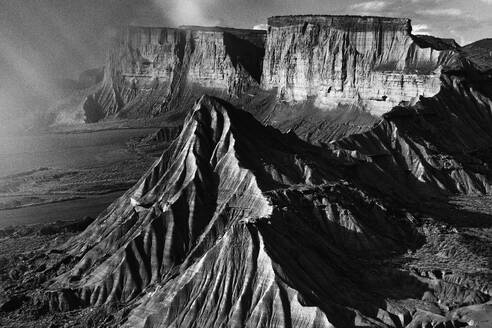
(371, 62)
(153, 70)
(218, 184)
(441, 141)
(323, 77)
(239, 225)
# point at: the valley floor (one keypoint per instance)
(51, 187)
(67, 175)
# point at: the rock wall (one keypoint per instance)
(360, 66)
(441, 141)
(149, 69)
(238, 225)
(372, 62)
(233, 197)
(322, 77)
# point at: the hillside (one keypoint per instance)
(334, 171)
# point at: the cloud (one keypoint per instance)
(261, 27)
(452, 12)
(28, 69)
(187, 12)
(422, 29)
(370, 6)
(457, 36)
(42, 42)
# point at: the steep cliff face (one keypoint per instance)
(239, 225)
(153, 70)
(371, 62)
(323, 77)
(442, 141)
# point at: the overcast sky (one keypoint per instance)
(43, 40)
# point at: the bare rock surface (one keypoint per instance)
(350, 218)
(324, 77)
(441, 141)
(349, 69)
(341, 59)
(151, 71)
(239, 225)
(480, 52)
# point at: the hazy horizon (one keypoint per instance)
(48, 40)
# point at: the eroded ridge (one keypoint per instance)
(240, 225)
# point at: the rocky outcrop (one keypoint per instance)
(322, 77)
(152, 71)
(240, 225)
(218, 179)
(334, 76)
(371, 62)
(480, 52)
(441, 141)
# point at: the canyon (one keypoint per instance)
(323, 173)
(338, 73)
(151, 70)
(371, 62)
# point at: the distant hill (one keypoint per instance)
(480, 52)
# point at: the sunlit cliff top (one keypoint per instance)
(342, 21)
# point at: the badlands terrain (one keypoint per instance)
(332, 171)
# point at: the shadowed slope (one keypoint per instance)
(168, 214)
(226, 172)
(153, 71)
(442, 142)
(480, 52)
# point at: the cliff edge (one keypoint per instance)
(371, 62)
(322, 77)
(151, 71)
